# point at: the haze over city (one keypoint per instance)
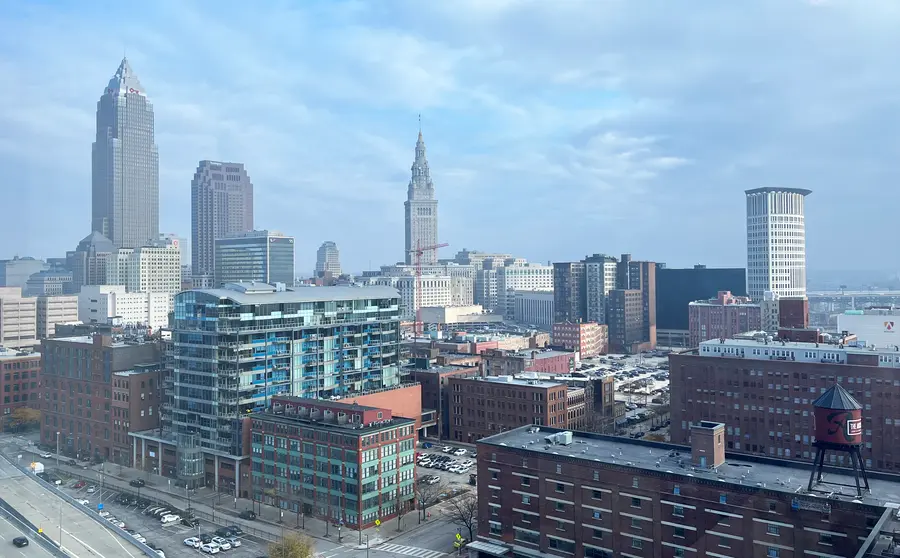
(553, 129)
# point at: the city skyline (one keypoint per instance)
(589, 141)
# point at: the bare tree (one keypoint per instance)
(426, 495)
(463, 512)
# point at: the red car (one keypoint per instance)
(79, 484)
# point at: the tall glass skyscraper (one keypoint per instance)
(125, 166)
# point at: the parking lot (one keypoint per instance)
(170, 537)
(449, 468)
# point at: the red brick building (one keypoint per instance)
(763, 392)
(793, 312)
(79, 376)
(587, 339)
(724, 316)
(545, 492)
(20, 381)
(435, 383)
(509, 363)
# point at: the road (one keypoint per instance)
(82, 537)
(8, 532)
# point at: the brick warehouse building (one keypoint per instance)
(20, 381)
(762, 392)
(544, 492)
(335, 461)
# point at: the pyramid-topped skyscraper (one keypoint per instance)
(421, 209)
(125, 164)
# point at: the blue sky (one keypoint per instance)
(554, 128)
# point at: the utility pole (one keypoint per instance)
(57, 451)
(60, 512)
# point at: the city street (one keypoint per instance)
(9, 531)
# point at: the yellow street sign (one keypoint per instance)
(458, 537)
(377, 522)
(40, 530)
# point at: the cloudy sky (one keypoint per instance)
(554, 128)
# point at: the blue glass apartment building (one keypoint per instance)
(235, 348)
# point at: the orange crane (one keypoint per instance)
(418, 252)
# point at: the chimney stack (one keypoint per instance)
(708, 444)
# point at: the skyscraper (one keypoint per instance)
(221, 205)
(776, 242)
(421, 209)
(261, 256)
(328, 259)
(125, 164)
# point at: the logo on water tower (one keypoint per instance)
(854, 427)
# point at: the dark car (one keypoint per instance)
(72, 463)
(20, 542)
(247, 514)
(235, 531)
(206, 538)
(137, 483)
(190, 522)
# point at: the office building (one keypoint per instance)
(49, 283)
(18, 318)
(641, 276)
(20, 382)
(435, 382)
(481, 260)
(90, 261)
(17, 271)
(113, 304)
(722, 317)
(421, 210)
(369, 475)
(587, 339)
(762, 390)
(568, 292)
(85, 379)
(53, 310)
(776, 241)
(481, 407)
(527, 277)
(500, 362)
(625, 319)
(256, 256)
(462, 278)
(533, 308)
(437, 290)
(676, 288)
(328, 260)
(125, 164)
(599, 280)
(267, 341)
(152, 268)
(549, 492)
(221, 206)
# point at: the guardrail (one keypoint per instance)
(36, 534)
(85, 510)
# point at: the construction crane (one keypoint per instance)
(417, 253)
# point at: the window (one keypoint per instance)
(637, 543)
(678, 532)
(560, 526)
(598, 534)
(526, 499)
(678, 511)
(825, 538)
(494, 475)
(724, 542)
(596, 495)
(635, 523)
(560, 506)
(723, 498)
(679, 553)
(635, 502)
(772, 552)
(773, 530)
(496, 528)
(634, 482)
(560, 487)
(771, 506)
(676, 490)
(563, 546)
(526, 481)
(558, 469)
(597, 514)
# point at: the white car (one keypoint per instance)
(210, 548)
(139, 538)
(235, 542)
(104, 514)
(46, 455)
(84, 502)
(460, 451)
(171, 518)
(223, 544)
(447, 449)
(193, 542)
(91, 489)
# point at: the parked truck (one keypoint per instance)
(37, 467)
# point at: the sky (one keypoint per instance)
(555, 129)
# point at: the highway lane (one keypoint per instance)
(82, 537)
(9, 531)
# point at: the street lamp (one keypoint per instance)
(367, 546)
(57, 450)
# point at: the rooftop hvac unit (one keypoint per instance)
(564, 438)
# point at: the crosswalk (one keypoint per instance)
(411, 551)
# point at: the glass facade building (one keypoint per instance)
(235, 348)
(261, 256)
(125, 164)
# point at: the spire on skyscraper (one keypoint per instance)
(125, 80)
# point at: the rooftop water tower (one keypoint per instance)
(838, 419)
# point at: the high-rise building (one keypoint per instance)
(328, 260)
(641, 275)
(15, 272)
(18, 318)
(421, 210)
(437, 290)
(113, 304)
(90, 261)
(776, 241)
(52, 310)
(568, 292)
(625, 318)
(49, 283)
(533, 308)
(152, 268)
(527, 277)
(599, 280)
(125, 167)
(267, 340)
(261, 256)
(221, 206)
(722, 317)
(481, 260)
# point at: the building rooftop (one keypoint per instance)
(837, 398)
(16, 353)
(330, 403)
(443, 369)
(511, 380)
(117, 340)
(770, 190)
(763, 349)
(738, 470)
(263, 293)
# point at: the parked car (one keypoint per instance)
(138, 483)
(223, 543)
(20, 542)
(171, 518)
(210, 548)
(234, 541)
(84, 502)
(79, 484)
(91, 489)
(190, 522)
(46, 455)
(247, 514)
(235, 531)
(193, 542)
(72, 463)
(460, 451)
